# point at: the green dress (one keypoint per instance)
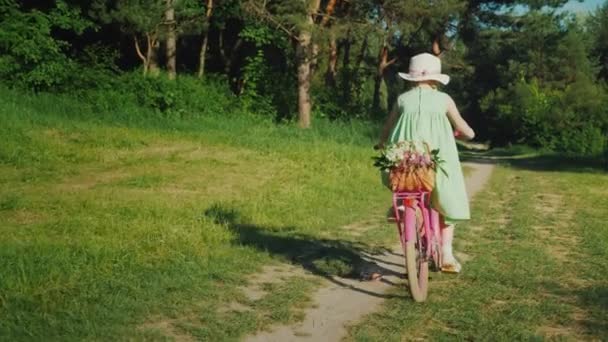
(424, 118)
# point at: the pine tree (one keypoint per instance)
(143, 20)
(598, 25)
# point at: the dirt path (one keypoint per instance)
(343, 301)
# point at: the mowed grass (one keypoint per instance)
(535, 261)
(150, 229)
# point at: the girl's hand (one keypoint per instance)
(465, 132)
(459, 136)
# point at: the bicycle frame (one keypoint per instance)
(430, 217)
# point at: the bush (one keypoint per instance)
(29, 56)
(587, 140)
(186, 97)
(574, 119)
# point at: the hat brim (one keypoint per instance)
(442, 78)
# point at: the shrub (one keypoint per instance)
(574, 119)
(185, 97)
(587, 140)
(29, 55)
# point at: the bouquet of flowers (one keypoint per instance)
(409, 167)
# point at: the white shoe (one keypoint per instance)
(451, 265)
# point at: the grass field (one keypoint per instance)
(535, 265)
(115, 226)
(144, 229)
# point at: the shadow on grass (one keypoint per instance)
(536, 161)
(561, 163)
(593, 300)
(334, 260)
(596, 300)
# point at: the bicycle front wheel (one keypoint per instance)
(417, 267)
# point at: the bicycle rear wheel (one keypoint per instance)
(417, 268)
(417, 272)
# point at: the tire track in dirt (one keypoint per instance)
(342, 301)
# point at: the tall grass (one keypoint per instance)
(130, 224)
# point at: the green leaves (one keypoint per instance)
(407, 154)
(29, 54)
(597, 24)
(262, 35)
(136, 16)
(570, 120)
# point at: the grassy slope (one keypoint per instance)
(536, 265)
(147, 229)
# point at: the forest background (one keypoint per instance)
(523, 72)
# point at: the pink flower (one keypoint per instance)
(427, 159)
(421, 160)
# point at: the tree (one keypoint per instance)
(297, 20)
(194, 17)
(304, 59)
(598, 26)
(406, 28)
(542, 94)
(332, 63)
(171, 45)
(205, 42)
(141, 19)
(29, 53)
(498, 41)
(206, 18)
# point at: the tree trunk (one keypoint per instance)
(383, 63)
(329, 11)
(332, 65)
(376, 100)
(150, 59)
(144, 59)
(304, 57)
(330, 74)
(203, 52)
(171, 40)
(436, 47)
(347, 72)
(314, 64)
(314, 9)
(153, 68)
(228, 58)
(392, 93)
(203, 55)
(362, 52)
(304, 102)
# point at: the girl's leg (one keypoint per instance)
(447, 238)
(450, 264)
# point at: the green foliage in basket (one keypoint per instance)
(408, 155)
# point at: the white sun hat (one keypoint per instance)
(425, 67)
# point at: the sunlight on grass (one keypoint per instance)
(106, 231)
(151, 230)
(534, 267)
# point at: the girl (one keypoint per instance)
(426, 114)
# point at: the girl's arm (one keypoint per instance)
(388, 126)
(458, 122)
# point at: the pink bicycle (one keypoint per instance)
(419, 232)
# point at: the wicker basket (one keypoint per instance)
(412, 178)
(419, 179)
